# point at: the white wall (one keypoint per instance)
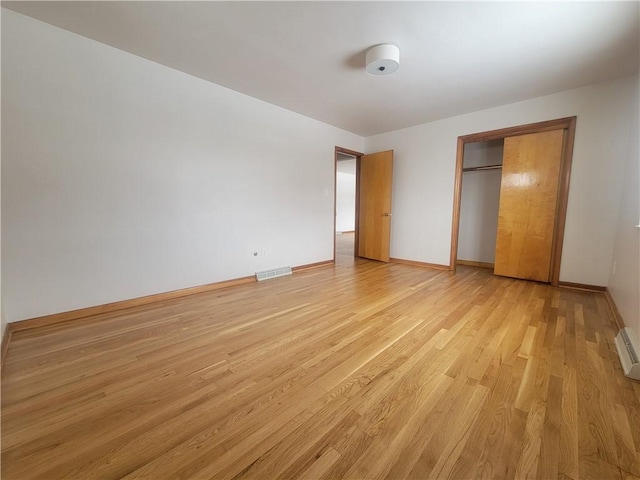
(480, 202)
(122, 177)
(425, 169)
(346, 195)
(624, 283)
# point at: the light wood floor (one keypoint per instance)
(344, 247)
(366, 370)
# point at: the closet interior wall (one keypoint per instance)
(345, 193)
(480, 202)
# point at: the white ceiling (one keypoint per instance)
(455, 57)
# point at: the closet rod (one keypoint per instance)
(487, 167)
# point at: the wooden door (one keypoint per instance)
(528, 205)
(374, 208)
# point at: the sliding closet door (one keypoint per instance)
(528, 205)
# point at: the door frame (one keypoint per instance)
(358, 156)
(568, 124)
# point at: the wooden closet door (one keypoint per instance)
(528, 205)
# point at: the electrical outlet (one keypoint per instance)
(264, 252)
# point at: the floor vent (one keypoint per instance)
(273, 273)
(628, 354)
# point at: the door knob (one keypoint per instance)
(386, 214)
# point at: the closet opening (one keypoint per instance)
(524, 171)
(481, 177)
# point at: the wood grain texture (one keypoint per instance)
(457, 204)
(345, 244)
(568, 125)
(346, 151)
(583, 286)
(474, 263)
(374, 216)
(563, 198)
(528, 205)
(415, 263)
(309, 266)
(545, 126)
(83, 313)
(365, 370)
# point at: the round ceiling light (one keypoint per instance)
(383, 60)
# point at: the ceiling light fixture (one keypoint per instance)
(383, 60)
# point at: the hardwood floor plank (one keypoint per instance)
(421, 448)
(458, 435)
(286, 459)
(366, 370)
(568, 460)
(628, 476)
(550, 443)
(498, 423)
(311, 461)
(393, 437)
(325, 461)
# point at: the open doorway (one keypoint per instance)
(345, 206)
(366, 211)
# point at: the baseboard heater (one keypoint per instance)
(273, 273)
(628, 353)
